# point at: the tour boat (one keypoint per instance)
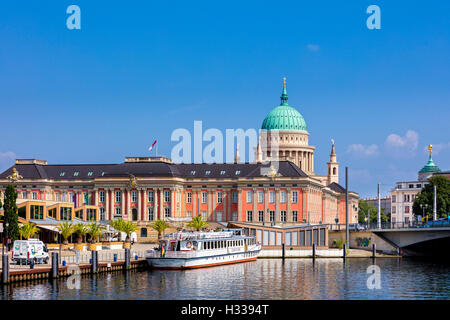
(188, 250)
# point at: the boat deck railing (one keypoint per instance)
(171, 254)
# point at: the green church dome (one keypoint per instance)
(430, 167)
(284, 117)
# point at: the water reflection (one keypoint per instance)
(264, 279)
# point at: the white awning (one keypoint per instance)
(51, 228)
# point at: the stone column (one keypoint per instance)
(239, 191)
(145, 212)
(139, 206)
(95, 193)
(194, 203)
(255, 207)
(122, 201)
(108, 215)
(172, 202)
(161, 204)
(288, 199)
(266, 200)
(128, 193)
(209, 193)
(229, 199)
(277, 205)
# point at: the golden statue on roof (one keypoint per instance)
(14, 176)
(430, 148)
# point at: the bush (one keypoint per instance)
(339, 243)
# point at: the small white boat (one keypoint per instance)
(187, 250)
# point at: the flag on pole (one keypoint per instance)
(151, 148)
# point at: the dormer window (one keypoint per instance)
(193, 172)
(222, 172)
(238, 172)
(62, 174)
(207, 172)
(90, 174)
(75, 174)
(103, 174)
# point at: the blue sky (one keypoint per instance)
(139, 70)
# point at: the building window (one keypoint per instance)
(260, 216)
(294, 196)
(219, 197)
(65, 213)
(166, 196)
(204, 215)
(102, 214)
(134, 196)
(294, 216)
(37, 212)
(207, 172)
(234, 197)
(150, 196)
(101, 196)
(260, 196)
(271, 196)
(91, 214)
(249, 216)
(75, 174)
(394, 209)
(283, 196)
(90, 174)
(234, 216)
(419, 186)
(394, 198)
(204, 197)
(118, 196)
(272, 216)
(24, 195)
(85, 198)
(167, 212)
(56, 196)
(188, 213)
(238, 172)
(62, 174)
(222, 173)
(35, 195)
(151, 216)
(189, 197)
(283, 216)
(249, 196)
(411, 186)
(143, 232)
(406, 209)
(118, 211)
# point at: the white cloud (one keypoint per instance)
(313, 47)
(402, 146)
(362, 150)
(438, 148)
(6, 160)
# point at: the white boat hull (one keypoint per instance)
(203, 259)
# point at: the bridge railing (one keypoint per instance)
(411, 225)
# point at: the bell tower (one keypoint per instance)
(333, 166)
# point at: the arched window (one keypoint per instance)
(334, 171)
(143, 232)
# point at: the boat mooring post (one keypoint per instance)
(94, 266)
(55, 266)
(374, 250)
(344, 251)
(282, 251)
(127, 259)
(5, 268)
(314, 251)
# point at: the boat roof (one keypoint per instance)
(211, 235)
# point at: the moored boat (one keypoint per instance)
(187, 250)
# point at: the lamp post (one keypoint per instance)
(6, 237)
(423, 207)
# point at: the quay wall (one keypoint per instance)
(362, 240)
(301, 253)
(64, 271)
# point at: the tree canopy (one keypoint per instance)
(10, 213)
(369, 210)
(426, 197)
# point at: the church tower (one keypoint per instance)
(333, 166)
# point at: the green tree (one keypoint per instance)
(197, 223)
(117, 225)
(10, 213)
(159, 226)
(28, 230)
(80, 230)
(426, 197)
(95, 231)
(369, 210)
(66, 229)
(129, 227)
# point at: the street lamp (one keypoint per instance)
(423, 206)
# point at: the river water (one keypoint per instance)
(264, 279)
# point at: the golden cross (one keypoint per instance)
(284, 82)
